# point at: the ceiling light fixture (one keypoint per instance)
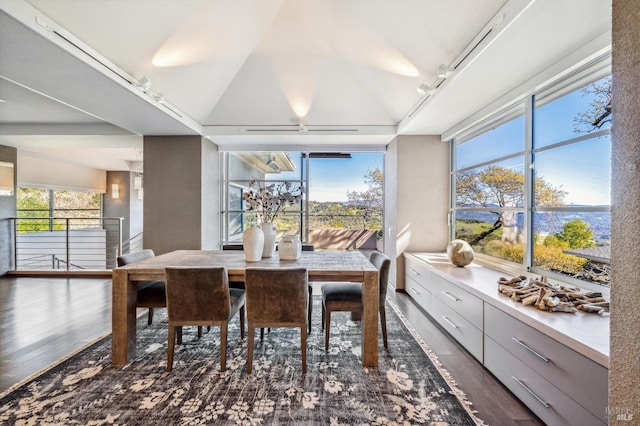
(424, 89)
(444, 71)
(144, 83)
(302, 128)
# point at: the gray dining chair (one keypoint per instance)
(348, 297)
(276, 297)
(150, 294)
(200, 296)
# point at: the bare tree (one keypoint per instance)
(599, 112)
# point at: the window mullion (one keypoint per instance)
(529, 182)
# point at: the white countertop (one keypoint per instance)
(587, 334)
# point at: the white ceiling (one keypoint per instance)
(246, 73)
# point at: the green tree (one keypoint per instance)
(500, 187)
(368, 204)
(576, 234)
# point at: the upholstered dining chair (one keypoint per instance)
(240, 284)
(201, 296)
(277, 297)
(150, 294)
(348, 297)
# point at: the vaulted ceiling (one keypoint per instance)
(248, 73)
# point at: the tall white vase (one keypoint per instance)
(253, 243)
(269, 231)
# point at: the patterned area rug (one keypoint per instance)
(408, 387)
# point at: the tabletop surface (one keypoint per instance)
(314, 261)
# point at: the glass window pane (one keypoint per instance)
(279, 165)
(495, 185)
(498, 234)
(573, 243)
(575, 174)
(581, 111)
(505, 139)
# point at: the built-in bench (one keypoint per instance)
(556, 363)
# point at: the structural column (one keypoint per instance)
(181, 193)
(624, 385)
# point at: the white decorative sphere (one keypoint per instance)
(460, 253)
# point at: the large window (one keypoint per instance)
(341, 195)
(532, 184)
(46, 209)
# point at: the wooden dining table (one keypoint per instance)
(324, 266)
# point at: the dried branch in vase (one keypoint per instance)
(270, 200)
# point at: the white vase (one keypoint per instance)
(253, 243)
(290, 248)
(269, 231)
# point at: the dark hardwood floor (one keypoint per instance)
(45, 319)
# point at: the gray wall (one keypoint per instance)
(7, 210)
(128, 206)
(416, 198)
(624, 364)
(181, 195)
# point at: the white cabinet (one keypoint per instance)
(456, 310)
(539, 356)
(544, 362)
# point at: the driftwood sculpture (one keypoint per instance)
(552, 297)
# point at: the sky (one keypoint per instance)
(582, 169)
(331, 178)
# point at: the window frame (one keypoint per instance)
(574, 81)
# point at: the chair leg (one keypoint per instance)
(199, 331)
(242, 322)
(150, 316)
(383, 323)
(251, 331)
(262, 334)
(223, 346)
(170, 347)
(179, 334)
(323, 316)
(327, 325)
(309, 310)
(303, 348)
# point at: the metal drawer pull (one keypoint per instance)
(451, 296)
(414, 272)
(414, 290)
(525, 387)
(450, 323)
(545, 359)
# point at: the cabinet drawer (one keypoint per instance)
(553, 406)
(574, 374)
(464, 303)
(421, 295)
(418, 271)
(462, 330)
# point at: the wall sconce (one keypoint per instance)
(6, 178)
(115, 191)
(140, 194)
(137, 182)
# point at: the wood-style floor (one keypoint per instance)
(44, 319)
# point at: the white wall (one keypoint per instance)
(417, 197)
(37, 172)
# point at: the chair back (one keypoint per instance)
(276, 295)
(382, 263)
(135, 256)
(197, 294)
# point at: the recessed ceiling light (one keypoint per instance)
(423, 89)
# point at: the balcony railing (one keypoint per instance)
(71, 244)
